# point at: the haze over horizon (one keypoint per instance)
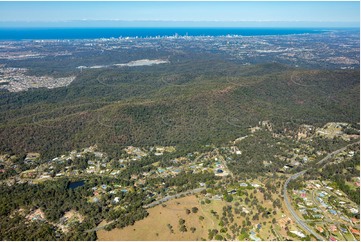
(179, 14)
(177, 24)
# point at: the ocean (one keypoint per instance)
(96, 33)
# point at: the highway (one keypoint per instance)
(298, 220)
(336, 152)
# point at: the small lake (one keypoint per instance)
(76, 184)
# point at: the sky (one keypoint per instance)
(340, 12)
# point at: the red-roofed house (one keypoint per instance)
(354, 231)
(320, 229)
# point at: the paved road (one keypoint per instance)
(167, 198)
(155, 203)
(336, 152)
(99, 227)
(293, 212)
(298, 220)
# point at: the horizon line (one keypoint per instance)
(145, 20)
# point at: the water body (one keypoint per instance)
(76, 184)
(95, 33)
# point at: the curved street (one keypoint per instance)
(293, 212)
(298, 220)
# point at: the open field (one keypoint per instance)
(154, 227)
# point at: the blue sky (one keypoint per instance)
(340, 12)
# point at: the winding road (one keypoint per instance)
(298, 220)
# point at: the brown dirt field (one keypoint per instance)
(157, 220)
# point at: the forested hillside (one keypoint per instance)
(177, 104)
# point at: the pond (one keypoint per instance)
(73, 185)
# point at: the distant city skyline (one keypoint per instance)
(158, 14)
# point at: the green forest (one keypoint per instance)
(194, 106)
(192, 103)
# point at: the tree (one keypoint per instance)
(218, 237)
(170, 227)
(194, 210)
(188, 211)
(210, 234)
(255, 217)
(181, 221)
(193, 229)
(183, 228)
(228, 198)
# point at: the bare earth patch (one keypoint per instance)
(36, 215)
(73, 215)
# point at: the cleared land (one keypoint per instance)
(155, 226)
